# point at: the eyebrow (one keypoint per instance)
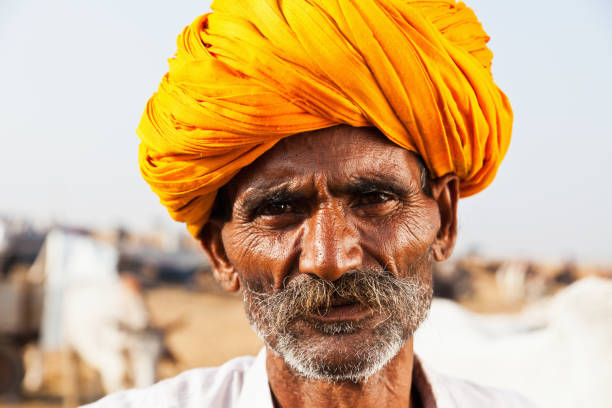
(374, 183)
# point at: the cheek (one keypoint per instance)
(257, 255)
(408, 237)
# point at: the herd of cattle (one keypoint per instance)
(557, 350)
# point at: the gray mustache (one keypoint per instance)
(380, 291)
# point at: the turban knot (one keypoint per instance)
(255, 71)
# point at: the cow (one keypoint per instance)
(105, 323)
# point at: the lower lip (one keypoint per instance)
(353, 311)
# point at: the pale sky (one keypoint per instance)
(75, 76)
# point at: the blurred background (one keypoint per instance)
(100, 290)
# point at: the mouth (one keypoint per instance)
(341, 310)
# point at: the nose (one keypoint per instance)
(330, 245)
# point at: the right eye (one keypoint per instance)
(279, 215)
(277, 209)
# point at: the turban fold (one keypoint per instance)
(255, 71)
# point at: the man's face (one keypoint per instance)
(330, 236)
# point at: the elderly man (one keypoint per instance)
(317, 149)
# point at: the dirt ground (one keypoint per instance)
(212, 327)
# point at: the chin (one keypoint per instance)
(339, 352)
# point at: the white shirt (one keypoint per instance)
(243, 383)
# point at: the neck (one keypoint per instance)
(389, 387)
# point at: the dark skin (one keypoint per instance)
(323, 203)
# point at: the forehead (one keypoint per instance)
(337, 154)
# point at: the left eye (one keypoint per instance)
(373, 198)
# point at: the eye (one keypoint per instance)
(278, 214)
(375, 204)
(374, 198)
(279, 208)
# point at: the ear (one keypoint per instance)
(445, 191)
(223, 270)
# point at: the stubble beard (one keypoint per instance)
(353, 350)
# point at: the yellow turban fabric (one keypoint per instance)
(255, 71)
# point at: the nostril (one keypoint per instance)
(354, 254)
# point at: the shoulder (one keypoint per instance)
(453, 392)
(199, 387)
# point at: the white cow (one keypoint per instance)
(103, 324)
(88, 308)
(559, 353)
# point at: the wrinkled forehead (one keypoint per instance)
(337, 154)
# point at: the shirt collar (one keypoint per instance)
(256, 390)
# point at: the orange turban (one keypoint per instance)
(255, 71)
